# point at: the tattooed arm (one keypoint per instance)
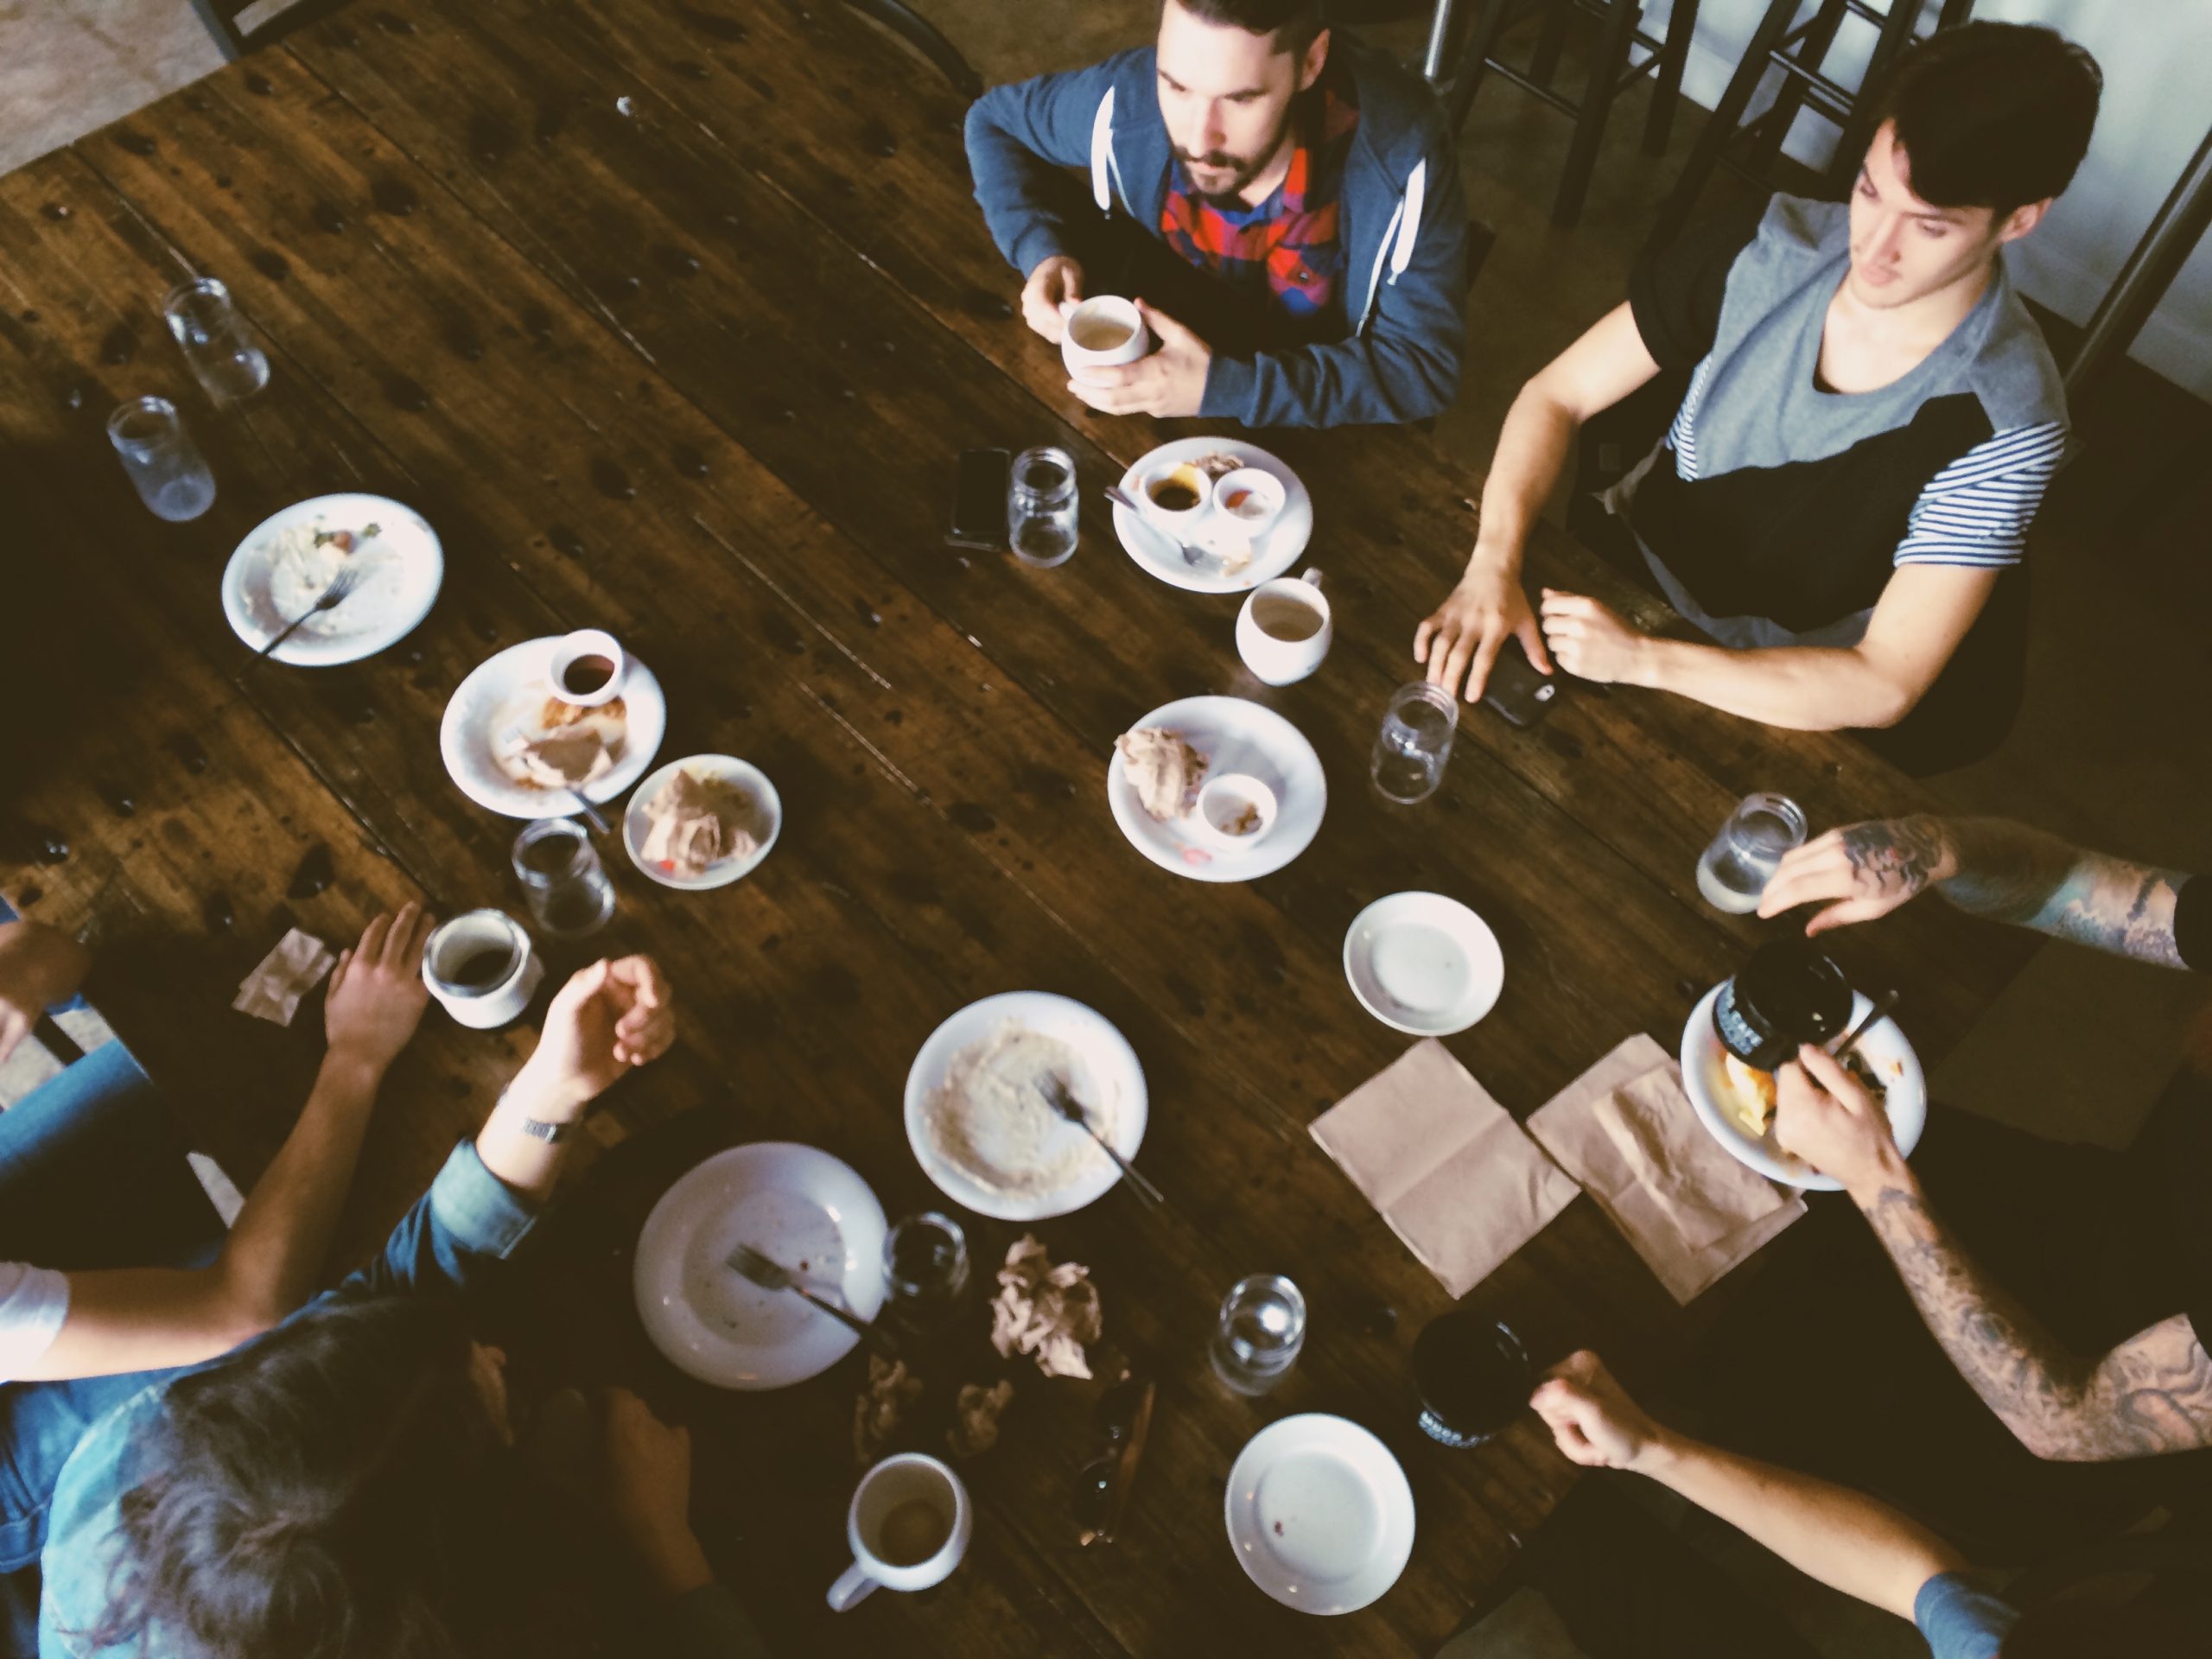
(2151, 1394)
(1990, 867)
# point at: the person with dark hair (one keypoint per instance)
(1869, 428)
(1282, 200)
(326, 1492)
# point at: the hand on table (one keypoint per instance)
(1170, 382)
(1860, 871)
(375, 995)
(39, 967)
(1591, 640)
(1591, 1416)
(608, 1019)
(648, 1476)
(1053, 290)
(1464, 635)
(1834, 1121)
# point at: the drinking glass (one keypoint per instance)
(1040, 507)
(1262, 1328)
(1414, 742)
(1741, 860)
(925, 1266)
(562, 878)
(172, 475)
(215, 339)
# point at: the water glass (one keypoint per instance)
(1414, 742)
(1262, 1328)
(1741, 860)
(925, 1267)
(1040, 507)
(172, 475)
(215, 339)
(562, 878)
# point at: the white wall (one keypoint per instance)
(2157, 57)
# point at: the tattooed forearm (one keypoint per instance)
(1898, 855)
(2152, 1394)
(2012, 874)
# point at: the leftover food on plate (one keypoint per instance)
(1218, 465)
(552, 744)
(697, 821)
(1748, 1100)
(1163, 769)
(989, 1119)
(302, 560)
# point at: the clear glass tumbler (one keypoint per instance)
(1042, 507)
(1262, 1328)
(568, 892)
(1415, 742)
(1735, 870)
(925, 1267)
(173, 477)
(215, 339)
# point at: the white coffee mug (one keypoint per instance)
(482, 968)
(909, 1527)
(581, 651)
(1109, 318)
(1277, 654)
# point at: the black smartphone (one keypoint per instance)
(979, 500)
(1516, 691)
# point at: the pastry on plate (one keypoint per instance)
(1163, 769)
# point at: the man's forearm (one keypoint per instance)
(2011, 873)
(1532, 453)
(526, 1164)
(1804, 688)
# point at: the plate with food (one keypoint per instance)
(803, 1209)
(979, 1118)
(288, 559)
(1156, 788)
(1248, 533)
(514, 745)
(704, 822)
(1735, 1101)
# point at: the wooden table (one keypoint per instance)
(673, 317)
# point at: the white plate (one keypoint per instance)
(465, 734)
(1885, 1047)
(1424, 963)
(768, 811)
(386, 608)
(1319, 1513)
(1108, 1080)
(1234, 735)
(1155, 551)
(796, 1203)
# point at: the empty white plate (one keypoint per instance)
(1155, 551)
(394, 593)
(483, 702)
(798, 1206)
(1234, 735)
(1423, 964)
(767, 819)
(1319, 1513)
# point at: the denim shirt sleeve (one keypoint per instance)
(708, 1622)
(1960, 1618)
(468, 1219)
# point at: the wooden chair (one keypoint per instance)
(925, 38)
(237, 38)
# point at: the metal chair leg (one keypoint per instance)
(925, 37)
(1544, 65)
(1897, 30)
(1704, 155)
(1605, 67)
(1667, 92)
(1773, 128)
(1438, 57)
(1482, 41)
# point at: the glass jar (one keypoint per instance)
(1042, 507)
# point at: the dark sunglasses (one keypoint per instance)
(1102, 1495)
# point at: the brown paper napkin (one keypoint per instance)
(1447, 1168)
(1626, 1130)
(273, 990)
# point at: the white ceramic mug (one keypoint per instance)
(580, 646)
(909, 1527)
(1272, 656)
(1109, 317)
(455, 967)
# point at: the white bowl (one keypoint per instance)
(1252, 481)
(767, 825)
(1223, 800)
(1423, 964)
(1319, 1513)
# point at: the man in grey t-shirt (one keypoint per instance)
(1872, 421)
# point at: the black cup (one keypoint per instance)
(1472, 1376)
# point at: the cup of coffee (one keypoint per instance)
(1285, 629)
(1176, 496)
(1103, 334)
(588, 668)
(909, 1527)
(482, 968)
(1472, 1376)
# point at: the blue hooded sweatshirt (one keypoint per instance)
(1401, 214)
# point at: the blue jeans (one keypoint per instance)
(92, 1175)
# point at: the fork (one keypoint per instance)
(341, 587)
(771, 1274)
(1058, 1098)
(1121, 497)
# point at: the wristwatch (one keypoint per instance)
(548, 1133)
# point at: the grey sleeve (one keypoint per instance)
(708, 1622)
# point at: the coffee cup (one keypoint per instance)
(482, 968)
(588, 668)
(1176, 496)
(1104, 332)
(1234, 811)
(1285, 629)
(909, 1525)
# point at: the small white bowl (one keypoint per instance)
(1223, 801)
(1259, 496)
(1423, 964)
(1179, 522)
(573, 648)
(768, 819)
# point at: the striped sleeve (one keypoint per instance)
(1978, 509)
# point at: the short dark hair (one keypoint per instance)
(1293, 23)
(1992, 115)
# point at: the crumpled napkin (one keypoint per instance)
(1045, 1312)
(272, 991)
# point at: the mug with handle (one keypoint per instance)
(909, 1527)
(1272, 657)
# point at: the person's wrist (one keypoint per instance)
(356, 1061)
(1657, 1456)
(1885, 1170)
(1495, 556)
(549, 1095)
(1647, 661)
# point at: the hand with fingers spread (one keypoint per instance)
(1168, 383)
(1591, 639)
(1053, 290)
(1590, 1416)
(1834, 1123)
(375, 995)
(40, 966)
(1462, 638)
(1861, 871)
